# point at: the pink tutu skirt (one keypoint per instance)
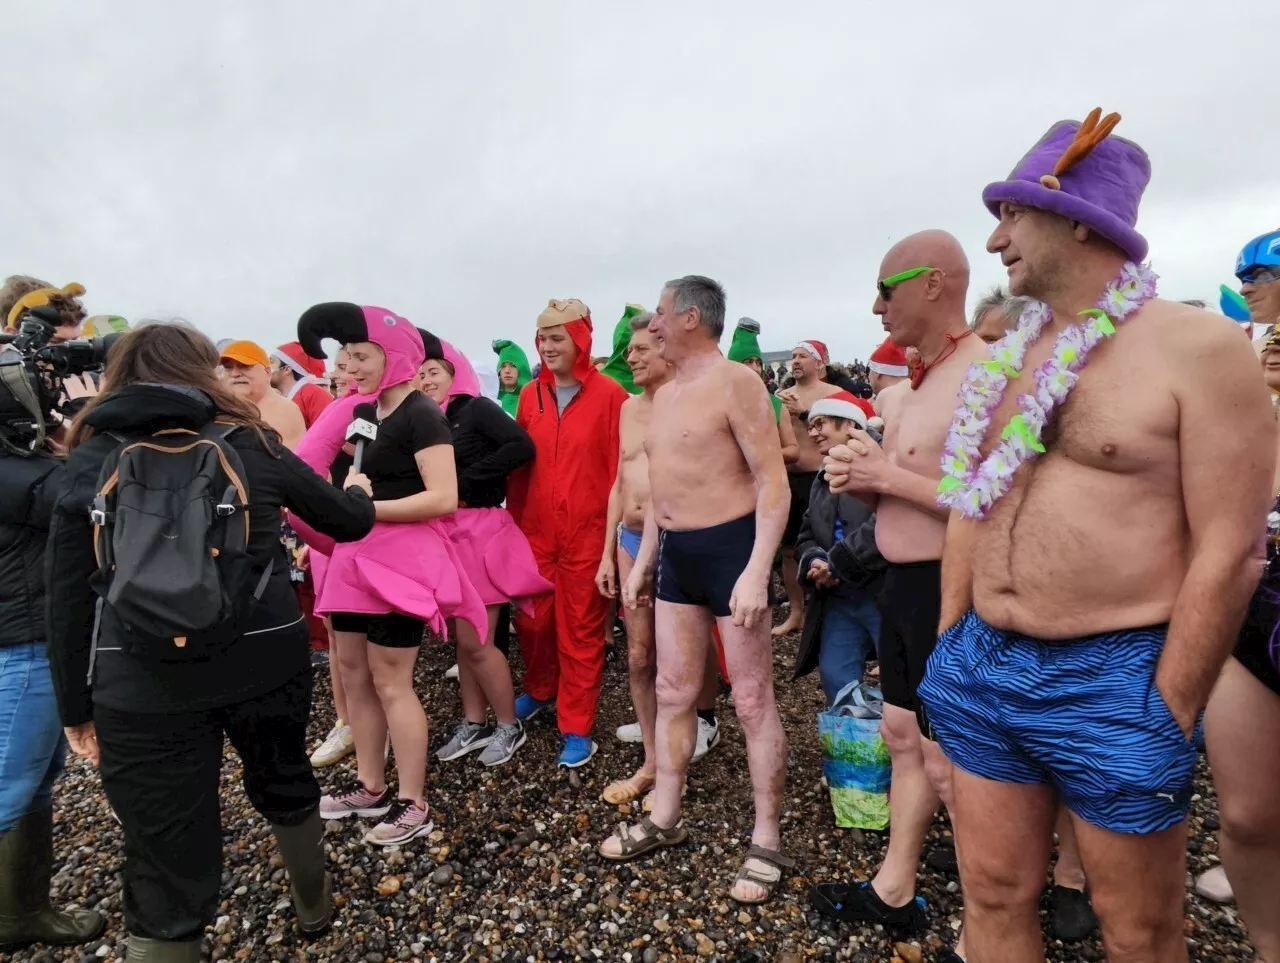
(496, 557)
(406, 567)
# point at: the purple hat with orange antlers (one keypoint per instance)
(1081, 173)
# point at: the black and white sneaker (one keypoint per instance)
(468, 737)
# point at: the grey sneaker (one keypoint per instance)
(468, 737)
(506, 740)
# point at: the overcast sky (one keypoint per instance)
(235, 162)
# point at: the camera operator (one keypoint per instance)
(32, 746)
(21, 293)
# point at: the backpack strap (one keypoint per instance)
(221, 431)
(262, 582)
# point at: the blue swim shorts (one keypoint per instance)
(1082, 714)
(629, 541)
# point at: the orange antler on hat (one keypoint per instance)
(1090, 135)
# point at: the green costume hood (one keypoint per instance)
(509, 352)
(745, 346)
(746, 341)
(617, 368)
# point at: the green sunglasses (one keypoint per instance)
(887, 285)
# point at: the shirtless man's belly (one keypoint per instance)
(1100, 515)
(915, 428)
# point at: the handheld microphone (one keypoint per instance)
(363, 429)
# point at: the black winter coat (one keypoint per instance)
(854, 560)
(28, 489)
(275, 646)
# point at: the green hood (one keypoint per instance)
(617, 368)
(746, 341)
(509, 352)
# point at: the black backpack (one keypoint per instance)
(171, 534)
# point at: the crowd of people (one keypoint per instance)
(1053, 571)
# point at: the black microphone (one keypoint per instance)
(363, 428)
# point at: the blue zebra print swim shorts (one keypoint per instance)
(1081, 714)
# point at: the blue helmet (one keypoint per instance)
(1262, 251)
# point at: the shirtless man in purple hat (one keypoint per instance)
(1102, 548)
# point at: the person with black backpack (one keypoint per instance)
(171, 623)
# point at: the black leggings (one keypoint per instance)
(161, 773)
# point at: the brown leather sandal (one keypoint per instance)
(769, 882)
(654, 838)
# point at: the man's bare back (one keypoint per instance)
(1100, 516)
(697, 473)
(809, 459)
(633, 462)
(916, 422)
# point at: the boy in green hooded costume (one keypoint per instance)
(617, 367)
(745, 349)
(511, 357)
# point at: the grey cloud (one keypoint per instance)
(463, 163)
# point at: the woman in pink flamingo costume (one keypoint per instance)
(382, 591)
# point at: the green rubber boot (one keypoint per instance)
(302, 848)
(26, 864)
(142, 950)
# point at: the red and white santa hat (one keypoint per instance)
(303, 364)
(815, 348)
(889, 360)
(843, 405)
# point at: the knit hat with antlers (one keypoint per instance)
(1080, 172)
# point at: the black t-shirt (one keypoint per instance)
(389, 460)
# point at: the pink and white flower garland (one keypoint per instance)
(973, 487)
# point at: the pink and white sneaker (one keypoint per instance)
(406, 820)
(355, 801)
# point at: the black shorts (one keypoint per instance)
(910, 604)
(391, 631)
(1253, 647)
(801, 482)
(700, 566)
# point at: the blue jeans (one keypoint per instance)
(850, 628)
(32, 746)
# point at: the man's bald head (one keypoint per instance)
(936, 249)
(929, 301)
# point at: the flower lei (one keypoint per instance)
(973, 487)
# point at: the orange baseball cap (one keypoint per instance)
(246, 352)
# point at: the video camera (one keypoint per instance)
(32, 370)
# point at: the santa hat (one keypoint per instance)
(843, 405)
(303, 365)
(889, 360)
(815, 348)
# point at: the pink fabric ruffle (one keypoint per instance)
(496, 557)
(411, 568)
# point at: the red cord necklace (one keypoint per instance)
(918, 369)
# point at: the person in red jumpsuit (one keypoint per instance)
(560, 502)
